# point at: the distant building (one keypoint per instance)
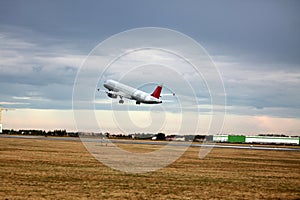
(175, 138)
(256, 139)
(272, 140)
(179, 138)
(220, 138)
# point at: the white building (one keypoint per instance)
(220, 138)
(272, 140)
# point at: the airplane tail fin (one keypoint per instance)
(157, 92)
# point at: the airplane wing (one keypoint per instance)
(122, 94)
(99, 90)
(114, 94)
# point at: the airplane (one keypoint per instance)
(117, 89)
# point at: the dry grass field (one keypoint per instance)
(55, 169)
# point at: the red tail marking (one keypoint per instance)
(157, 92)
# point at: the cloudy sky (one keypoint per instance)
(255, 45)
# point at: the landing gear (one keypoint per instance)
(138, 103)
(121, 101)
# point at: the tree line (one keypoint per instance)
(59, 133)
(138, 136)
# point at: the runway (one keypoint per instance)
(147, 142)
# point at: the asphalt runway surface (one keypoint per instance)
(147, 142)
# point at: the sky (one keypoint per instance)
(255, 45)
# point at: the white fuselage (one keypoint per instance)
(131, 93)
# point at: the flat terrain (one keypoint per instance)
(58, 169)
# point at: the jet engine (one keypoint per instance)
(114, 96)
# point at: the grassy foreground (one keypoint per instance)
(53, 169)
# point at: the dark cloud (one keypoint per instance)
(269, 30)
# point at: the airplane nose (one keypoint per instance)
(105, 84)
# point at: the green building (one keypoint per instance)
(236, 138)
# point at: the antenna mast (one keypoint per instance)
(1, 109)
